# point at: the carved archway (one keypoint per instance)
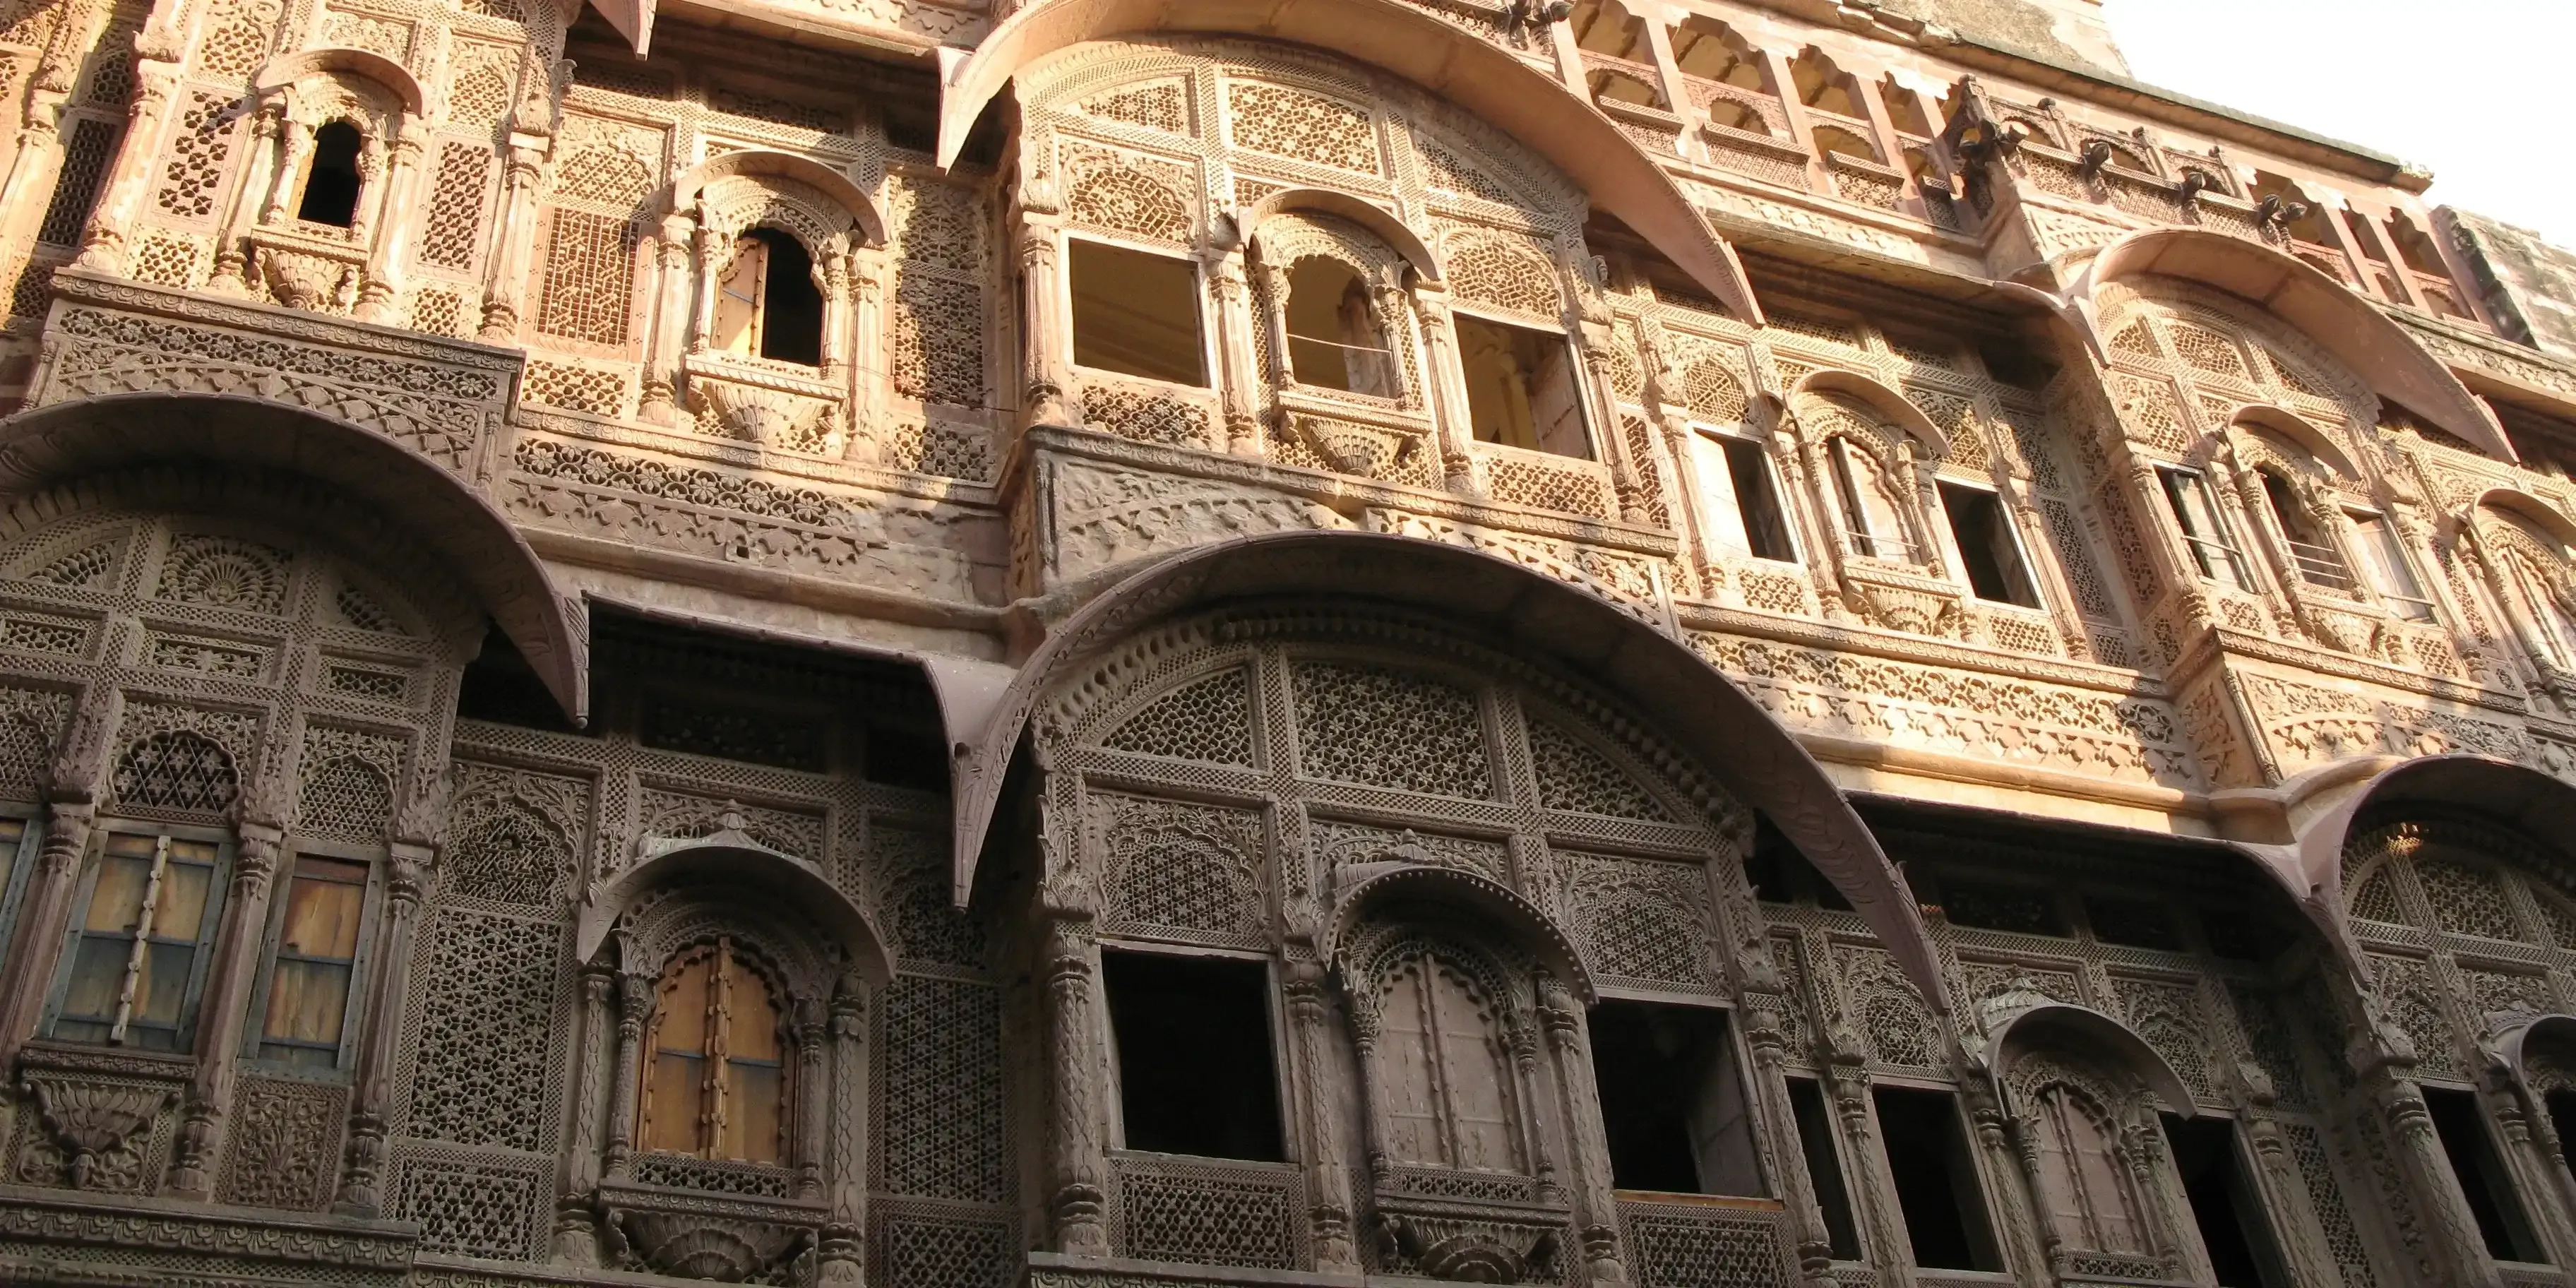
(1702, 714)
(1324, 201)
(829, 183)
(739, 865)
(2317, 306)
(424, 500)
(1366, 886)
(1478, 76)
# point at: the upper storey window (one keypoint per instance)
(1136, 313)
(1444, 1073)
(1334, 337)
(767, 305)
(138, 956)
(1521, 389)
(1708, 50)
(310, 973)
(1989, 551)
(2384, 555)
(2195, 508)
(2311, 549)
(1870, 509)
(331, 179)
(715, 1078)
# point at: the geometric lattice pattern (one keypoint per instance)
(346, 797)
(1364, 724)
(1209, 1215)
(589, 282)
(1207, 719)
(455, 228)
(940, 1123)
(469, 1209)
(1572, 776)
(2466, 900)
(938, 338)
(925, 1252)
(178, 770)
(1288, 123)
(483, 1002)
(1673, 1247)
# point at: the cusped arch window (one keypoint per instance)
(715, 1074)
(332, 177)
(1336, 338)
(1444, 1065)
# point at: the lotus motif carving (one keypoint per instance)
(774, 418)
(1349, 448)
(93, 1126)
(303, 280)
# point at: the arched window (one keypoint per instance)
(1606, 27)
(1824, 86)
(767, 305)
(1443, 1070)
(1708, 50)
(1334, 341)
(2312, 550)
(1869, 504)
(1906, 110)
(331, 178)
(2084, 1183)
(1837, 141)
(715, 1073)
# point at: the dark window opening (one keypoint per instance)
(2241, 935)
(1672, 1100)
(331, 177)
(1195, 1074)
(908, 758)
(791, 306)
(2561, 1105)
(2027, 910)
(500, 686)
(2225, 1204)
(1520, 388)
(1936, 1181)
(2135, 923)
(1766, 523)
(1986, 546)
(1334, 341)
(2016, 364)
(2484, 1182)
(85, 160)
(1779, 873)
(1824, 1167)
(1136, 314)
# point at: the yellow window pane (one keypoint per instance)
(321, 916)
(164, 985)
(98, 971)
(192, 851)
(130, 845)
(751, 1028)
(680, 1023)
(306, 1002)
(116, 902)
(735, 328)
(181, 910)
(673, 1094)
(754, 1110)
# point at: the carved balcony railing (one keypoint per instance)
(1364, 438)
(698, 1219)
(1654, 125)
(1473, 1226)
(1545, 481)
(1208, 1212)
(1152, 411)
(1690, 1241)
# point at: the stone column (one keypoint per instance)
(1807, 478)
(1446, 377)
(1077, 1166)
(222, 1012)
(1531, 1094)
(1801, 130)
(843, 1251)
(514, 237)
(379, 295)
(361, 1192)
(294, 152)
(871, 385)
(1326, 1160)
(1045, 334)
(576, 1226)
(659, 404)
(246, 203)
(634, 1004)
(2172, 1233)
(1596, 1206)
(2534, 1169)
(1237, 386)
(1766, 1036)
(44, 909)
(129, 181)
(812, 1134)
(2427, 1171)
(1873, 1194)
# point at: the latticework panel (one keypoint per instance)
(454, 232)
(1207, 1214)
(1672, 1246)
(940, 1107)
(588, 288)
(482, 1026)
(937, 348)
(1208, 719)
(1366, 724)
(85, 157)
(1310, 127)
(177, 771)
(923, 1246)
(1573, 776)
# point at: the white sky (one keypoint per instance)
(2473, 90)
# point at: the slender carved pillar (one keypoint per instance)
(634, 1003)
(1077, 1205)
(1046, 335)
(663, 343)
(398, 220)
(1235, 382)
(812, 1137)
(1596, 1207)
(361, 1191)
(294, 152)
(1769, 1040)
(246, 203)
(1532, 1094)
(1805, 476)
(46, 903)
(156, 80)
(1873, 1194)
(1327, 1165)
(576, 1226)
(2427, 1171)
(2008, 1153)
(843, 1249)
(2170, 1235)
(222, 1010)
(513, 240)
(1451, 430)
(2534, 1171)
(870, 386)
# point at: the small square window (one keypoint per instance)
(1136, 314)
(1521, 390)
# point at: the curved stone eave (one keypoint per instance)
(2533, 802)
(1507, 93)
(2324, 310)
(64, 441)
(1693, 707)
(2102, 1033)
